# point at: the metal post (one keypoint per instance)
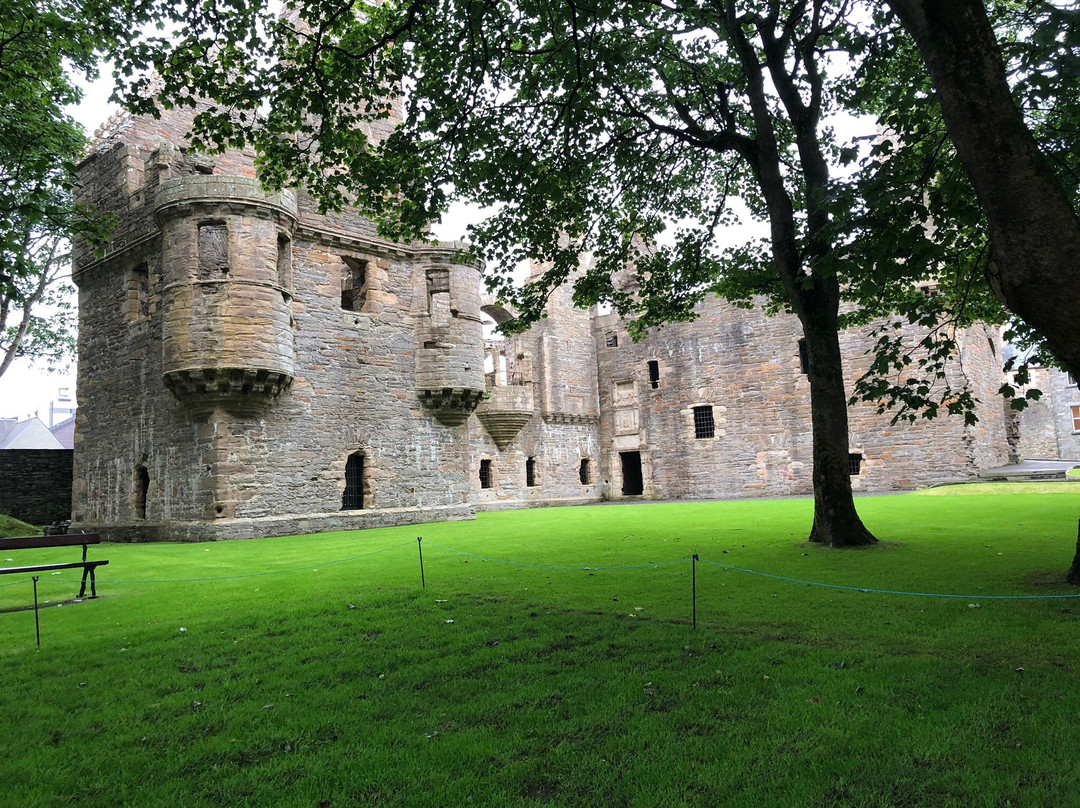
(37, 622)
(693, 586)
(420, 548)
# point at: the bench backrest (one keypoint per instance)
(67, 540)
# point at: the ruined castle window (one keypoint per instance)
(611, 339)
(854, 461)
(485, 474)
(213, 250)
(284, 262)
(142, 489)
(530, 472)
(138, 293)
(704, 425)
(585, 471)
(438, 283)
(1076, 417)
(804, 358)
(354, 284)
(353, 498)
(654, 374)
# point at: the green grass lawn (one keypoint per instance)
(315, 670)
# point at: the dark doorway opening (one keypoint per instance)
(632, 483)
(142, 488)
(353, 498)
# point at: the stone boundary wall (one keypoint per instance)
(35, 484)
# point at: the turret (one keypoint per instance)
(450, 354)
(227, 338)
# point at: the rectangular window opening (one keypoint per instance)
(213, 251)
(654, 374)
(855, 464)
(611, 339)
(485, 474)
(530, 472)
(354, 284)
(1076, 417)
(585, 471)
(353, 497)
(704, 425)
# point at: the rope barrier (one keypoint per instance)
(614, 568)
(655, 565)
(885, 591)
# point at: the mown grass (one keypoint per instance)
(301, 682)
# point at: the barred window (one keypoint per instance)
(485, 474)
(352, 499)
(855, 464)
(704, 426)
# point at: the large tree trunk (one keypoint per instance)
(836, 522)
(1073, 576)
(1034, 231)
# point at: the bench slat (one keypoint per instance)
(46, 567)
(33, 542)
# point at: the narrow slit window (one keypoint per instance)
(585, 471)
(142, 490)
(804, 358)
(284, 262)
(704, 425)
(485, 474)
(654, 374)
(530, 472)
(855, 464)
(138, 293)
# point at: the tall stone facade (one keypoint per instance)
(250, 367)
(1049, 428)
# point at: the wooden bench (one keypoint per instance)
(67, 540)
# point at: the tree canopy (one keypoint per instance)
(41, 47)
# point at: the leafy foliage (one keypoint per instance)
(39, 146)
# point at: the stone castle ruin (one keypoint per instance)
(249, 366)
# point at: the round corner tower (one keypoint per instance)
(226, 284)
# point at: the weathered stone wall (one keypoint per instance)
(220, 453)
(1046, 427)
(35, 484)
(746, 368)
(242, 354)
